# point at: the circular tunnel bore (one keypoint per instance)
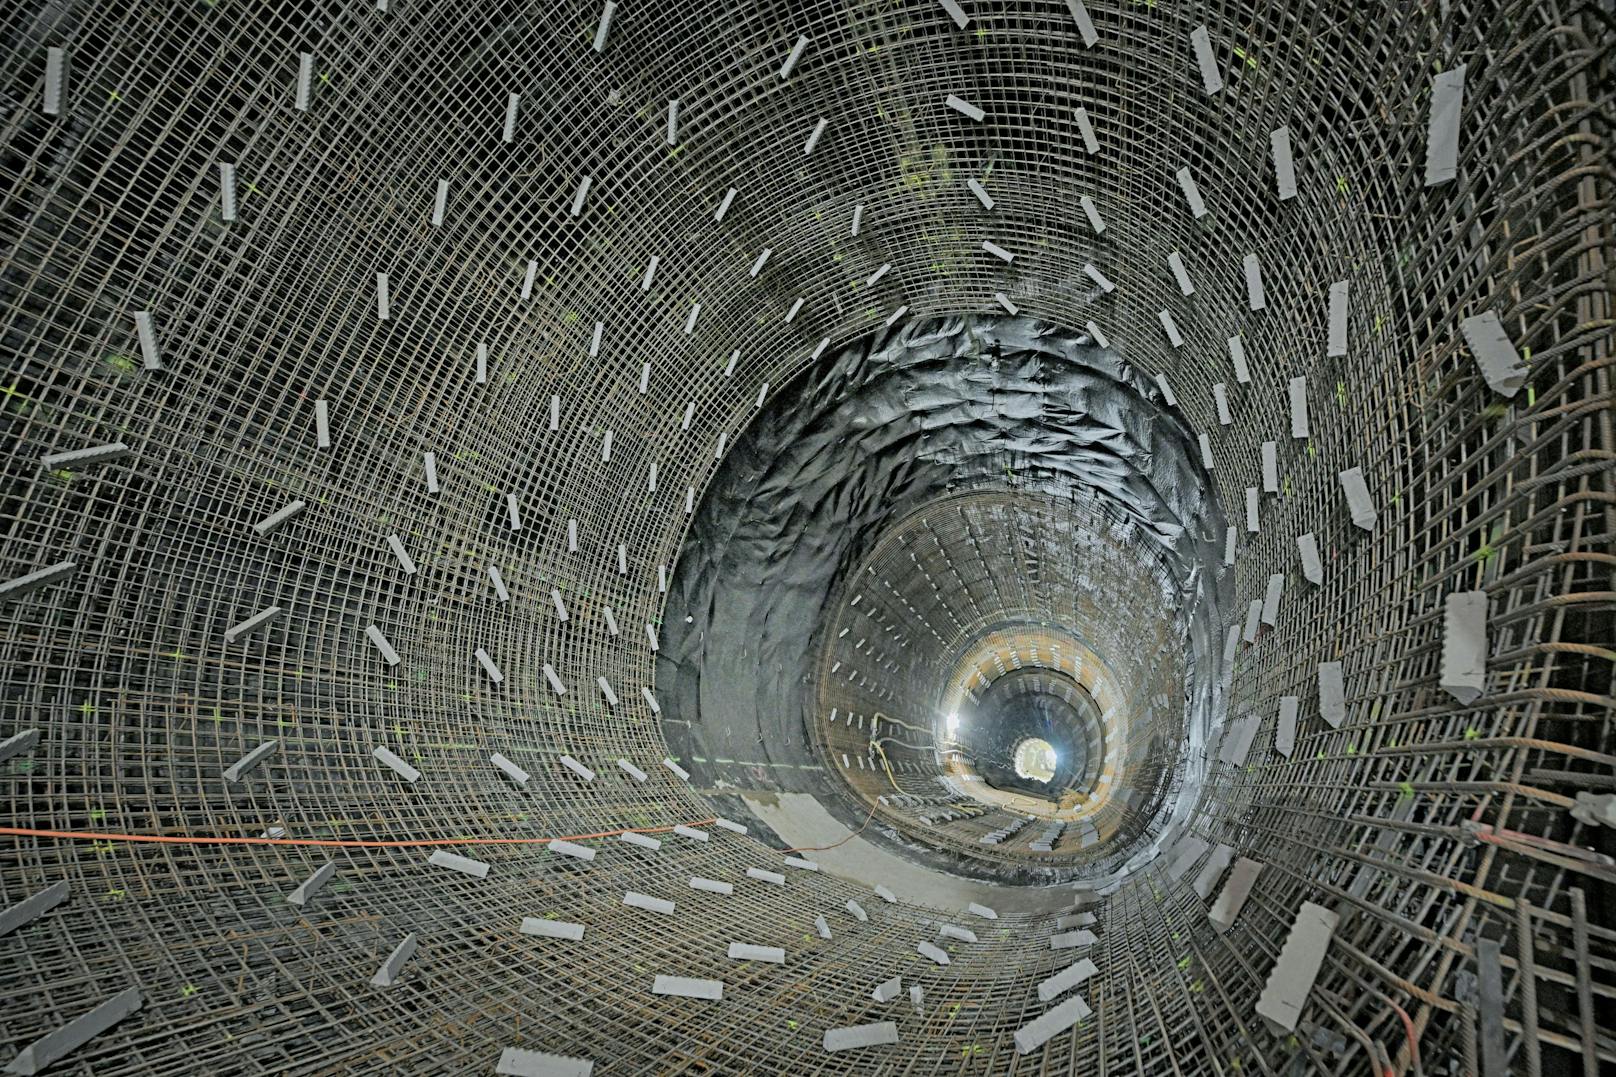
(445, 444)
(934, 509)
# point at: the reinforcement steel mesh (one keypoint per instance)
(343, 342)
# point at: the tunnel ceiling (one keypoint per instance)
(532, 534)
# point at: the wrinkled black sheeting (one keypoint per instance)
(866, 437)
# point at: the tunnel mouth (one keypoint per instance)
(944, 520)
(1035, 760)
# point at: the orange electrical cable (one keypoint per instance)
(93, 835)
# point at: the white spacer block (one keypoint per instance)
(463, 864)
(636, 900)
(741, 951)
(577, 768)
(965, 108)
(389, 759)
(389, 655)
(684, 987)
(406, 562)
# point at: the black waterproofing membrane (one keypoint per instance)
(872, 433)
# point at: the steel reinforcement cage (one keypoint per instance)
(277, 344)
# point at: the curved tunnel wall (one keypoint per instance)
(268, 378)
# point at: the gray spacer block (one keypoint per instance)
(463, 864)
(1040, 1031)
(34, 581)
(1201, 42)
(885, 895)
(963, 934)
(690, 832)
(1338, 319)
(94, 454)
(917, 998)
(766, 876)
(1442, 127)
(934, 953)
(799, 862)
(311, 887)
(857, 911)
(250, 762)
(1332, 694)
(1359, 505)
(1057, 985)
(257, 620)
(1279, 141)
(32, 908)
(1285, 736)
(733, 828)
(18, 744)
(1298, 399)
(387, 975)
(76, 1033)
(1232, 898)
(635, 772)
(1237, 740)
(1072, 940)
(981, 910)
(684, 775)
(684, 987)
(1500, 363)
(1256, 299)
(851, 1036)
(1075, 919)
(280, 517)
(515, 1062)
(551, 929)
(822, 927)
(1270, 606)
(1292, 977)
(1213, 870)
(712, 886)
(1464, 646)
(742, 951)
(887, 990)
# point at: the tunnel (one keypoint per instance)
(807, 537)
